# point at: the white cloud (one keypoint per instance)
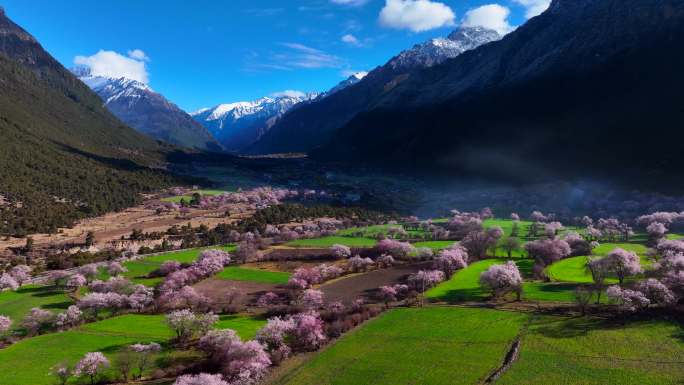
(351, 39)
(138, 54)
(492, 16)
(353, 3)
(306, 57)
(289, 93)
(297, 56)
(113, 64)
(416, 15)
(534, 7)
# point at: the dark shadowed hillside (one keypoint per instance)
(62, 154)
(590, 86)
(312, 124)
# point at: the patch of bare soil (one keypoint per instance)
(224, 292)
(112, 226)
(364, 285)
(289, 266)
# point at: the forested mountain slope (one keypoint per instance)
(589, 86)
(62, 154)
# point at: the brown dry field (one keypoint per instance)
(219, 290)
(348, 288)
(112, 226)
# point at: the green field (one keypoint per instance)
(422, 346)
(465, 285)
(368, 231)
(435, 245)
(572, 270)
(674, 236)
(235, 273)
(138, 270)
(16, 304)
(246, 327)
(507, 226)
(585, 351)
(332, 240)
(605, 248)
(29, 361)
(178, 198)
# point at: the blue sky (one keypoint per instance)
(202, 53)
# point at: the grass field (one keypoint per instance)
(605, 248)
(29, 361)
(435, 245)
(236, 273)
(139, 270)
(16, 304)
(572, 270)
(465, 285)
(433, 345)
(178, 198)
(329, 241)
(585, 351)
(368, 231)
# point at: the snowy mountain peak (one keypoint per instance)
(268, 105)
(435, 51)
(239, 124)
(351, 80)
(136, 104)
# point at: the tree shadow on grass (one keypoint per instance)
(37, 290)
(567, 327)
(461, 295)
(525, 266)
(57, 305)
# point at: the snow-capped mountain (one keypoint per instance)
(436, 51)
(149, 112)
(237, 125)
(312, 124)
(350, 81)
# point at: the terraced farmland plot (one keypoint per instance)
(435, 245)
(585, 351)
(139, 270)
(16, 304)
(431, 346)
(465, 285)
(332, 240)
(235, 273)
(29, 361)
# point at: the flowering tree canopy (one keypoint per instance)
(629, 300)
(200, 379)
(502, 279)
(424, 280)
(311, 299)
(242, 362)
(340, 251)
(622, 263)
(91, 365)
(5, 323)
(8, 282)
(450, 260)
(20, 273)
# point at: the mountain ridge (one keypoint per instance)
(63, 155)
(527, 103)
(149, 112)
(310, 126)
